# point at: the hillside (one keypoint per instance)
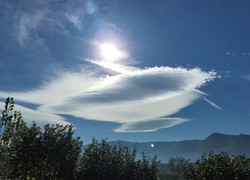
(193, 149)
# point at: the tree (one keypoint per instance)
(176, 167)
(11, 124)
(102, 161)
(241, 167)
(50, 152)
(219, 167)
(147, 169)
(60, 152)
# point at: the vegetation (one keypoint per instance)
(213, 167)
(174, 169)
(102, 161)
(52, 152)
(219, 167)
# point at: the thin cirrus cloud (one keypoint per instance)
(45, 16)
(212, 103)
(74, 19)
(28, 23)
(246, 76)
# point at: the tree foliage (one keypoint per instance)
(102, 161)
(219, 167)
(174, 169)
(52, 152)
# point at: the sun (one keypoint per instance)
(110, 52)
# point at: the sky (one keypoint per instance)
(136, 70)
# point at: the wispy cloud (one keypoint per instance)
(140, 100)
(246, 76)
(150, 126)
(117, 68)
(74, 19)
(32, 21)
(28, 23)
(41, 118)
(61, 86)
(232, 53)
(90, 7)
(212, 103)
(41, 17)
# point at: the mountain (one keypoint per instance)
(192, 149)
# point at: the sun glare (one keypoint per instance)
(110, 52)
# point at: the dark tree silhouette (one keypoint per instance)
(52, 152)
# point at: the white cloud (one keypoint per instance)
(122, 112)
(135, 99)
(41, 118)
(113, 67)
(229, 53)
(246, 53)
(145, 85)
(212, 103)
(74, 19)
(40, 16)
(150, 126)
(63, 85)
(246, 76)
(112, 26)
(90, 7)
(28, 23)
(23, 32)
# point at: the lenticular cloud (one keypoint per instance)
(136, 99)
(145, 84)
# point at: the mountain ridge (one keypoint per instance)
(192, 149)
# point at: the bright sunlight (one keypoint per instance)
(110, 52)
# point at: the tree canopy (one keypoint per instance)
(219, 167)
(52, 152)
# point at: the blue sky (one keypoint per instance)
(177, 69)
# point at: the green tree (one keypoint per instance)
(147, 169)
(23, 156)
(42, 153)
(219, 167)
(11, 124)
(60, 152)
(176, 167)
(241, 167)
(52, 152)
(102, 161)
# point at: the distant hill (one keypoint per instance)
(193, 149)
